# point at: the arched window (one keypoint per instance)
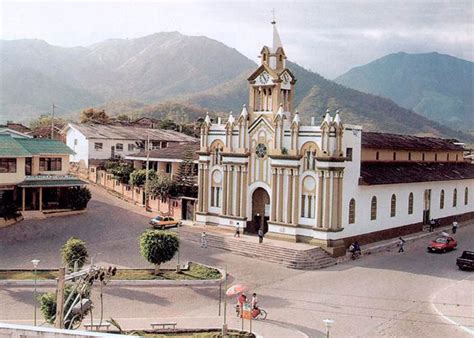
(216, 189)
(423, 156)
(447, 157)
(441, 200)
(216, 152)
(410, 204)
(466, 196)
(373, 209)
(309, 151)
(455, 197)
(409, 156)
(393, 206)
(308, 197)
(352, 211)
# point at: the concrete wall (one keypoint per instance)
(18, 176)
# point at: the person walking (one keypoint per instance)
(401, 243)
(237, 231)
(455, 225)
(203, 240)
(260, 235)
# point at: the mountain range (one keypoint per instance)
(437, 86)
(177, 76)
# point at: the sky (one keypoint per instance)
(328, 37)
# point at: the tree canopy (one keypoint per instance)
(158, 246)
(94, 116)
(74, 250)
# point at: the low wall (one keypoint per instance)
(22, 331)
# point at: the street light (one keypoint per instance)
(328, 323)
(35, 265)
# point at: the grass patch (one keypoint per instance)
(195, 272)
(28, 274)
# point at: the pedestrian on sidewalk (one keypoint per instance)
(401, 243)
(237, 231)
(432, 224)
(455, 225)
(203, 240)
(260, 235)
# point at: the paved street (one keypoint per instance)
(414, 294)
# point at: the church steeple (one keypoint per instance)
(271, 85)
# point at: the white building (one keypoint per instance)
(101, 142)
(326, 184)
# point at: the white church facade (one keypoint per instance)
(325, 184)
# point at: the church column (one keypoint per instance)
(243, 206)
(334, 199)
(289, 195)
(230, 187)
(224, 190)
(280, 194)
(326, 202)
(339, 213)
(274, 193)
(320, 196)
(238, 187)
(296, 196)
(201, 188)
(205, 204)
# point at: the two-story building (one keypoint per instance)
(102, 142)
(34, 172)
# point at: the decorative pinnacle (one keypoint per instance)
(273, 16)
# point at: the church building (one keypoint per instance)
(326, 184)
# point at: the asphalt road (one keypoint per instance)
(414, 294)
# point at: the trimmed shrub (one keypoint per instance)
(74, 250)
(158, 246)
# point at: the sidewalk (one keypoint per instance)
(391, 244)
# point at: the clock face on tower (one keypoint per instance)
(264, 78)
(261, 150)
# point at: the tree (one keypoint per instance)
(41, 127)
(74, 251)
(161, 186)
(94, 116)
(78, 197)
(138, 177)
(123, 117)
(158, 247)
(120, 169)
(185, 178)
(48, 305)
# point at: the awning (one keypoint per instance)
(51, 181)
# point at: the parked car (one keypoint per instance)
(442, 244)
(466, 261)
(163, 222)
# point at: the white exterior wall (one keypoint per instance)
(81, 149)
(106, 151)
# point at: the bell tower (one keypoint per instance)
(271, 86)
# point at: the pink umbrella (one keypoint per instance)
(236, 289)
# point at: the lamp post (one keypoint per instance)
(328, 323)
(35, 266)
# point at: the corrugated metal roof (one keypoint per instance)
(173, 152)
(105, 131)
(45, 146)
(9, 147)
(373, 173)
(51, 181)
(375, 140)
(27, 147)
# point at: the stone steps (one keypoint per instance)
(306, 259)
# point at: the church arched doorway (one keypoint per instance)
(260, 211)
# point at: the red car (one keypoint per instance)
(442, 244)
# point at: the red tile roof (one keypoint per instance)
(406, 142)
(373, 173)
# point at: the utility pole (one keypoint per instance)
(147, 168)
(59, 321)
(52, 123)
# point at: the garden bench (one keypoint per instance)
(163, 325)
(96, 326)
